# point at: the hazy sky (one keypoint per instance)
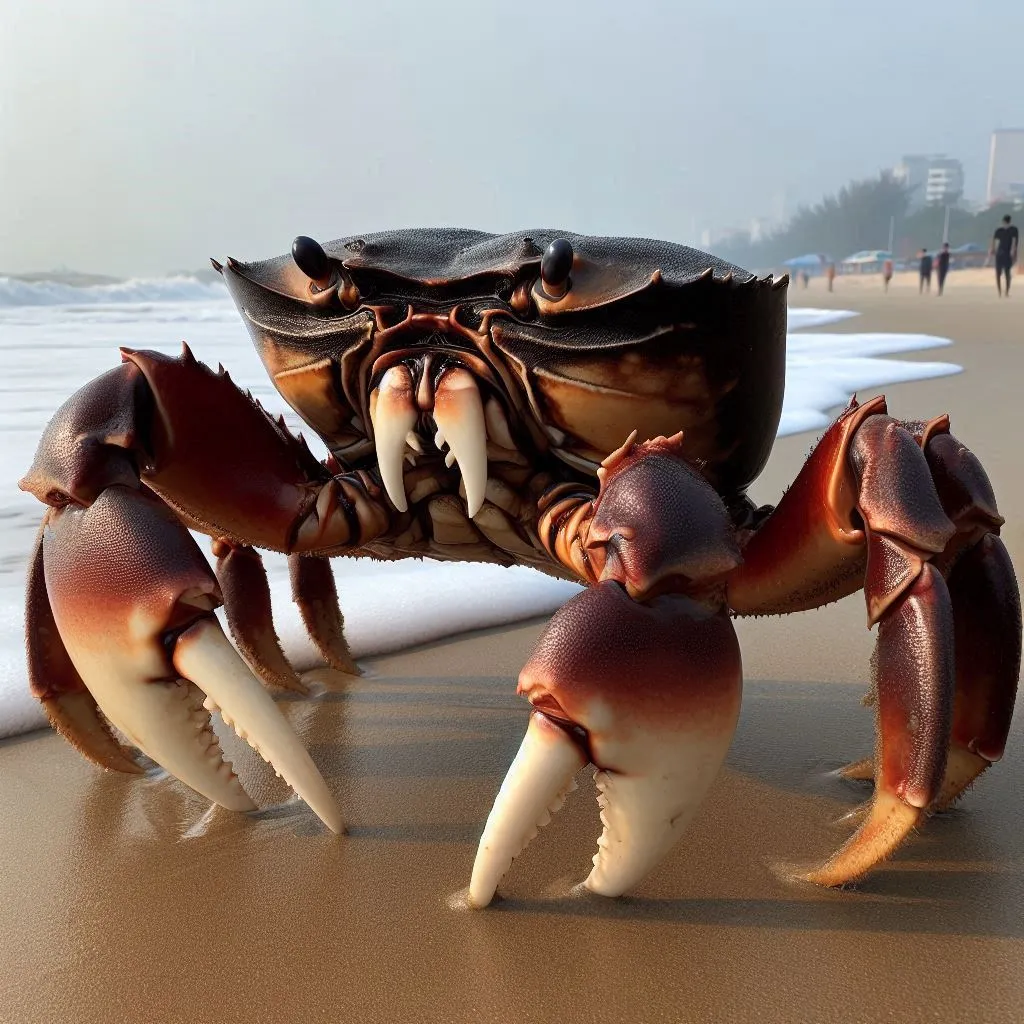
(138, 136)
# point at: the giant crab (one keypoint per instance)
(592, 407)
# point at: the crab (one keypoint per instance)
(594, 408)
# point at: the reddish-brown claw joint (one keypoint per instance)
(210, 451)
(125, 609)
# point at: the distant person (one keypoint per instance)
(1004, 247)
(830, 273)
(924, 284)
(886, 274)
(805, 278)
(942, 266)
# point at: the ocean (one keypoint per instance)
(55, 336)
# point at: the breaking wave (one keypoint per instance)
(16, 292)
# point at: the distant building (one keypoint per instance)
(931, 179)
(1006, 166)
(945, 184)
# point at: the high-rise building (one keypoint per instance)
(945, 184)
(1006, 166)
(931, 178)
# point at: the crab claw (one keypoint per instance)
(132, 599)
(650, 694)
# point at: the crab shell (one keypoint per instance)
(643, 334)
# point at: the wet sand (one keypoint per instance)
(131, 900)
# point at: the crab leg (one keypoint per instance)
(987, 623)
(315, 593)
(893, 506)
(913, 669)
(132, 599)
(243, 583)
(986, 612)
(986, 619)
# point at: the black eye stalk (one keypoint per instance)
(555, 267)
(311, 259)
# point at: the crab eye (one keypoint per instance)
(555, 267)
(311, 259)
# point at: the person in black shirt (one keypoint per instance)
(942, 265)
(1004, 248)
(925, 284)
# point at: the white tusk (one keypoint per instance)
(204, 655)
(393, 415)
(535, 787)
(459, 414)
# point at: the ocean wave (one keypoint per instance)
(16, 292)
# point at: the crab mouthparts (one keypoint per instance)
(454, 403)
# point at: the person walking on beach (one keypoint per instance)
(942, 266)
(1004, 247)
(886, 274)
(925, 270)
(830, 273)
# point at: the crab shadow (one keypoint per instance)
(855, 911)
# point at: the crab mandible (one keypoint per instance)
(475, 391)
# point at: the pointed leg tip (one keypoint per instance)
(887, 825)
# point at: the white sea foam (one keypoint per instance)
(136, 291)
(60, 336)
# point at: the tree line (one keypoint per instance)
(858, 217)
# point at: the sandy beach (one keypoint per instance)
(131, 899)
